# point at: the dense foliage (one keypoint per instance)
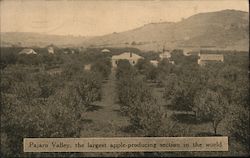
(216, 92)
(45, 96)
(137, 101)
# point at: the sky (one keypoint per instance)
(99, 17)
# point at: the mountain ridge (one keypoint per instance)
(221, 29)
(226, 29)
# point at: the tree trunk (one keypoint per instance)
(215, 127)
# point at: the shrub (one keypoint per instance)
(137, 102)
(211, 106)
(147, 117)
(46, 84)
(70, 70)
(59, 116)
(103, 67)
(125, 70)
(239, 124)
(88, 87)
(179, 93)
(147, 69)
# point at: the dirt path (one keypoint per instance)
(103, 118)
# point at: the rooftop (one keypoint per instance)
(27, 51)
(127, 55)
(211, 57)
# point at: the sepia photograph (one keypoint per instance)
(124, 78)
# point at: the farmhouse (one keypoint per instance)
(27, 51)
(205, 58)
(131, 57)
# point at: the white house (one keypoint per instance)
(205, 58)
(51, 50)
(27, 51)
(131, 57)
(154, 62)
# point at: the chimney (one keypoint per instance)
(130, 55)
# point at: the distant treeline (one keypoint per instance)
(9, 55)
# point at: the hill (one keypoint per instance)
(227, 29)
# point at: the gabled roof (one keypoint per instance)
(127, 55)
(105, 50)
(27, 51)
(154, 61)
(211, 57)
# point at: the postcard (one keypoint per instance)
(130, 78)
